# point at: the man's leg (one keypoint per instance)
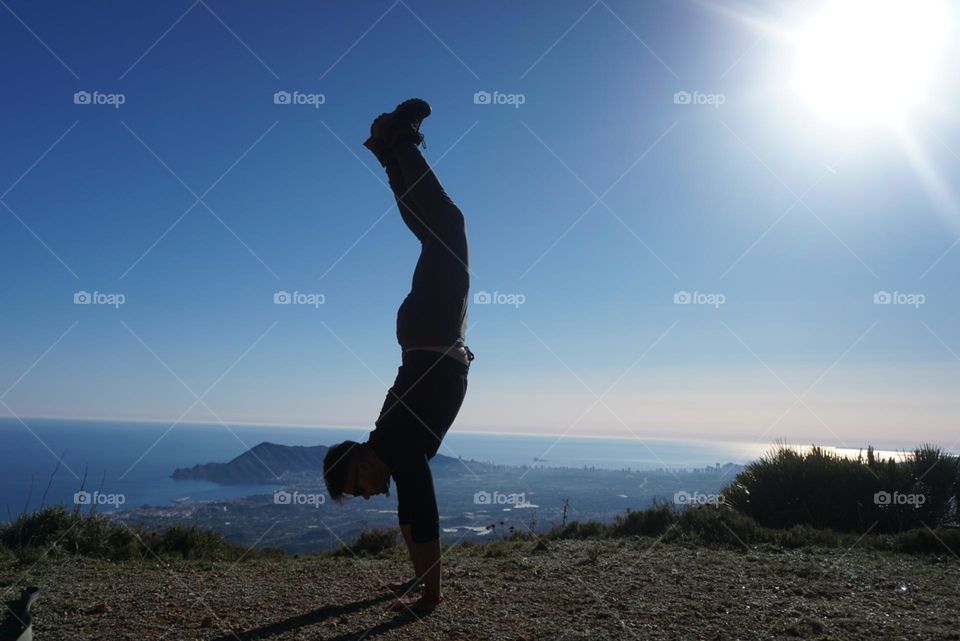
(430, 203)
(444, 259)
(404, 201)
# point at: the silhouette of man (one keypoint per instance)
(432, 380)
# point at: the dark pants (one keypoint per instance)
(419, 409)
(423, 402)
(435, 310)
(430, 387)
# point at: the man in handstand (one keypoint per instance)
(432, 379)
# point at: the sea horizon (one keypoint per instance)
(135, 459)
(884, 446)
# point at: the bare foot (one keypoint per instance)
(421, 606)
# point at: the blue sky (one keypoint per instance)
(792, 223)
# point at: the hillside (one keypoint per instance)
(634, 588)
(264, 463)
(547, 493)
(273, 463)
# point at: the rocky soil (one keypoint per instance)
(563, 590)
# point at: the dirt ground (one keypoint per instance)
(571, 590)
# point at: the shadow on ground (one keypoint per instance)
(319, 616)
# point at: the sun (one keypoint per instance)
(868, 62)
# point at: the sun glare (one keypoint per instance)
(868, 62)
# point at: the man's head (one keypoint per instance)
(352, 468)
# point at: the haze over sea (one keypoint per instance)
(135, 459)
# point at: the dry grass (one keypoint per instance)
(632, 588)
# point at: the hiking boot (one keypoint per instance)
(402, 124)
(381, 150)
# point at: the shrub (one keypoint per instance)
(939, 541)
(579, 530)
(720, 526)
(495, 549)
(800, 536)
(192, 542)
(370, 543)
(651, 522)
(787, 487)
(55, 531)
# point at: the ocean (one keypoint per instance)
(129, 464)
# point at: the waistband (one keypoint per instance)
(458, 352)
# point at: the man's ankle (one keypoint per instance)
(430, 597)
(406, 135)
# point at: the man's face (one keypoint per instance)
(363, 480)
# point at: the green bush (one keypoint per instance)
(711, 525)
(651, 522)
(722, 526)
(370, 543)
(800, 536)
(940, 541)
(55, 531)
(579, 530)
(495, 549)
(823, 490)
(192, 542)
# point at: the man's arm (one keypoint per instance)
(418, 503)
(426, 564)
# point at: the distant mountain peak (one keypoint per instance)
(264, 463)
(269, 462)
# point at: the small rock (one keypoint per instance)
(99, 608)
